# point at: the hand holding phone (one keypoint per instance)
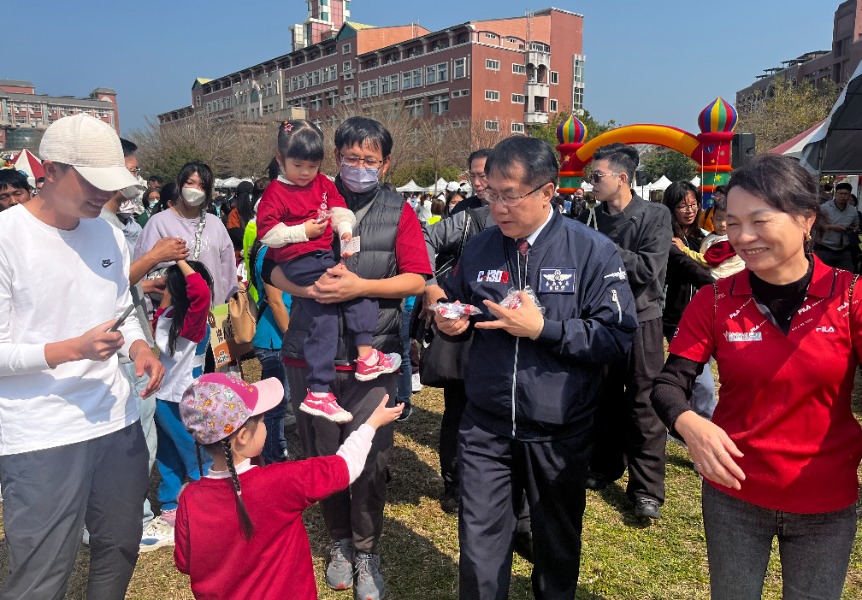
(122, 318)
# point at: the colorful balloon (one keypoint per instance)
(571, 131)
(719, 116)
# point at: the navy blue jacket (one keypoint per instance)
(548, 388)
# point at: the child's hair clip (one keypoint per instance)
(287, 126)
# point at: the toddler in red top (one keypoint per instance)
(296, 218)
(716, 253)
(239, 531)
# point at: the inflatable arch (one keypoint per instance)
(710, 149)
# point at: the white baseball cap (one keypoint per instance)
(452, 186)
(92, 147)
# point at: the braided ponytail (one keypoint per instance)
(244, 520)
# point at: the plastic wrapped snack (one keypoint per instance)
(322, 215)
(513, 302)
(451, 310)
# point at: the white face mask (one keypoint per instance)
(193, 196)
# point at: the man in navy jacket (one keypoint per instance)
(533, 377)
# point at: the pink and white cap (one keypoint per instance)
(216, 405)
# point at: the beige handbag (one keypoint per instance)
(243, 316)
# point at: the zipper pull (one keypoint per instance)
(615, 299)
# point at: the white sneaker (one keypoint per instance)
(417, 384)
(157, 533)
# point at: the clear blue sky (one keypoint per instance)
(647, 62)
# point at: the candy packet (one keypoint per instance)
(322, 215)
(451, 310)
(513, 302)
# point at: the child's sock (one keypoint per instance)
(320, 395)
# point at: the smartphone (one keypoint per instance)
(122, 318)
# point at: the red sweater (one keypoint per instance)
(276, 562)
(293, 205)
(785, 399)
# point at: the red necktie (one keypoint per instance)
(523, 245)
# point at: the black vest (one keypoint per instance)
(375, 260)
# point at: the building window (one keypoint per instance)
(519, 69)
(460, 71)
(512, 40)
(492, 95)
(331, 98)
(415, 107)
(347, 66)
(553, 105)
(492, 126)
(438, 104)
(492, 65)
(372, 87)
(437, 73)
(316, 102)
(460, 93)
(517, 98)
(555, 77)
(315, 77)
(345, 48)
(578, 98)
(578, 68)
(517, 128)
(363, 90)
(411, 79)
(491, 36)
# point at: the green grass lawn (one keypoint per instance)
(621, 559)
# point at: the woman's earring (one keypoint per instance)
(807, 244)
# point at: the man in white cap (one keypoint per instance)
(71, 446)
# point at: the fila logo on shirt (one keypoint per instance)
(825, 329)
(493, 276)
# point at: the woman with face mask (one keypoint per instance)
(203, 233)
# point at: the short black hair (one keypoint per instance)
(535, 156)
(779, 181)
(154, 178)
(721, 189)
(129, 148)
(480, 153)
(300, 140)
(10, 178)
(361, 131)
(620, 157)
(844, 186)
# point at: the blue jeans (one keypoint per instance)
(703, 393)
(814, 548)
(147, 408)
(176, 455)
(405, 383)
(275, 447)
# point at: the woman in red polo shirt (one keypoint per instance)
(781, 454)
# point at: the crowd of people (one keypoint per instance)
(542, 318)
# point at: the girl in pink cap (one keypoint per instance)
(239, 530)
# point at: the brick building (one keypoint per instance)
(24, 114)
(819, 66)
(501, 74)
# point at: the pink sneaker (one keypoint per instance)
(169, 516)
(386, 363)
(326, 407)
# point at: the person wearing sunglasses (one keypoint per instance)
(628, 431)
(533, 379)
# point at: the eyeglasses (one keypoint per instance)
(686, 207)
(135, 170)
(492, 197)
(596, 177)
(355, 161)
